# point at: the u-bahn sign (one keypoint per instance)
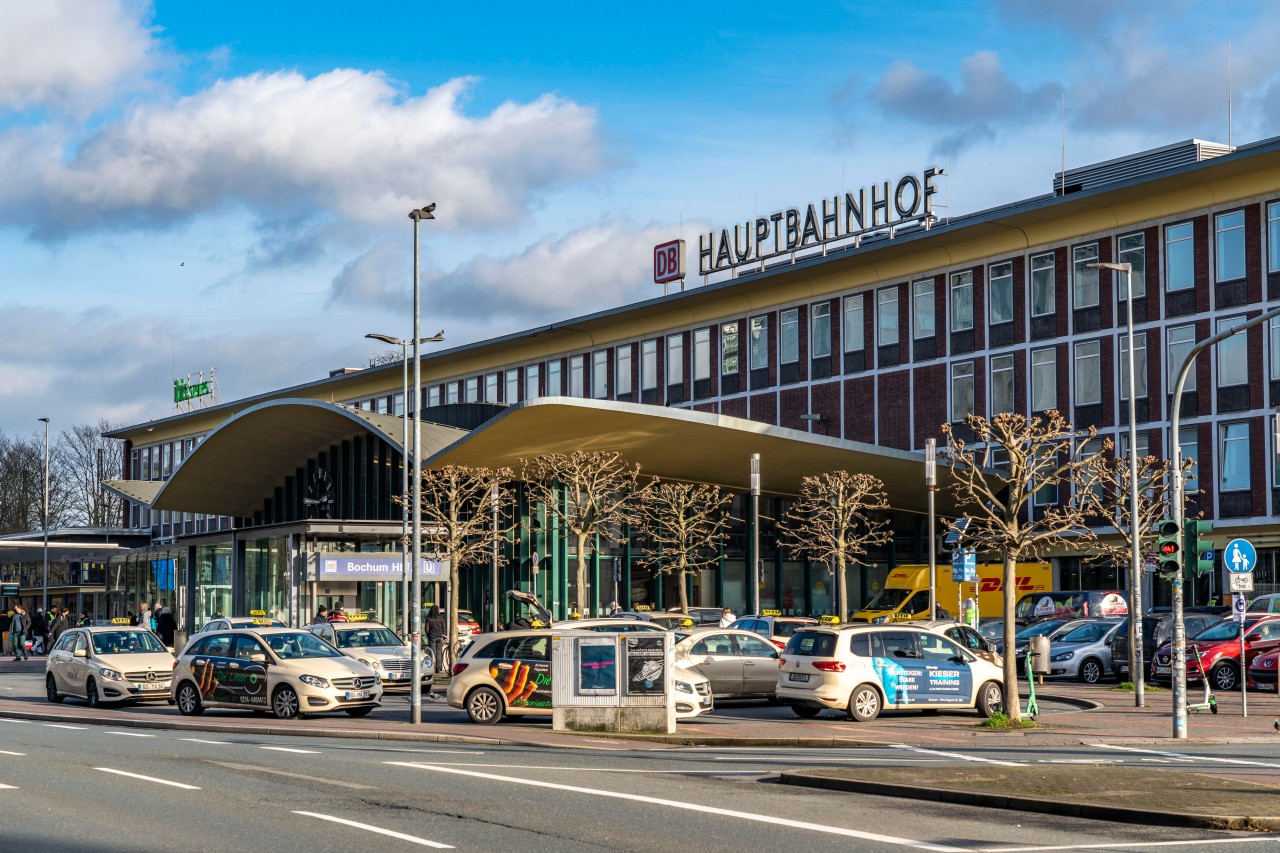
(879, 207)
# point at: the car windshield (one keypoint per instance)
(807, 644)
(1228, 630)
(361, 638)
(1045, 627)
(126, 643)
(786, 629)
(300, 645)
(1090, 633)
(1063, 630)
(888, 599)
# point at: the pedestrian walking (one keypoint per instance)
(144, 616)
(39, 632)
(727, 618)
(166, 625)
(18, 628)
(61, 622)
(437, 630)
(322, 615)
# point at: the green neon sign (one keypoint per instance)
(184, 390)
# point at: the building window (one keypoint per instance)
(166, 456)
(820, 330)
(854, 324)
(531, 382)
(729, 349)
(961, 390)
(1179, 341)
(1143, 450)
(600, 374)
(1273, 237)
(1229, 245)
(789, 336)
(512, 386)
(473, 390)
(1001, 293)
(648, 365)
(675, 359)
(1132, 250)
(1179, 257)
(1233, 355)
(1047, 494)
(1235, 458)
(1044, 379)
(1084, 293)
(887, 325)
(433, 396)
(701, 354)
(622, 373)
(1002, 396)
(575, 376)
(491, 388)
(1189, 448)
(758, 344)
(1088, 373)
(397, 405)
(555, 387)
(1139, 365)
(1275, 348)
(923, 324)
(451, 392)
(962, 301)
(1042, 287)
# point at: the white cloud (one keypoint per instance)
(70, 54)
(283, 145)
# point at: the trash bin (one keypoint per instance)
(1040, 655)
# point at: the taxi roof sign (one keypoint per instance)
(119, 620)
(357, 617)
(829, 620)
(257, 613)
(262, 621)
(770, 612)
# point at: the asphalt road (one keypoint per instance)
(65, 786)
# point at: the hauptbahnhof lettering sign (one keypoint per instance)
(879, 207)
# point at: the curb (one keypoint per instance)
(1118, 814)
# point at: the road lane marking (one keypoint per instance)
(1131, 845)
(7, 752)
(611, 769)
(148, 778)
(8, 787)
(960, 756)
(129, 734)
(291, 749)
(400, 835)
(214, 742)
(8, 720)
(1080, 761)
(1181, 756)
(61, 726)
(256, 768)
(676, 804)
(815, 760)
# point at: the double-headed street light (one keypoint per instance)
(415, 689)
(44, 591)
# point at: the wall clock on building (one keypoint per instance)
(319, 499)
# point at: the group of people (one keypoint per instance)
(35, 633)
(158, 620)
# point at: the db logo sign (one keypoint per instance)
(668, 262)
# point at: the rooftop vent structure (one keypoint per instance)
(1136, 165)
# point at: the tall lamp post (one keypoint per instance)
(931, 485)
(755, 533)
(1135, 534)
(44, 591)
(415, 689)
(404, 468)
(1179, 641)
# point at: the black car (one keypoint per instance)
(1157, 628)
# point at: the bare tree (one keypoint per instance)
(589, 492)
(22, 486)
(993, 485)
(390, 356)
(1106, 502)
(833, 522)
(685, 523)
(84, 458)
(457, 522)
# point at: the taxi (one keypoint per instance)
(509, 674)
(283, 671)
(773, 626)
(108, 662)
(255, 619)
(377, 647)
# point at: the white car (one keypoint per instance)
(112, 663)
(866, 668)
(379, 648)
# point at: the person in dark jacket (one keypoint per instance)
(437, 630)
(61, 622)
(166, 625)
(39, 633)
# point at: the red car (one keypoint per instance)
(1263, 672)
(1219, 647)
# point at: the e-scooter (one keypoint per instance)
(1210, 702)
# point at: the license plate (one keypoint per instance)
(1162, 670)
(1270, 688)
(1124, 668)
(357, 694)
(798, 676)
(394, 676)
(154, 685)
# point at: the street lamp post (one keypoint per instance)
(755, 533)
(1179, 641)
(415, 689)
(931, 486)
(44, 591)
(1135, 533)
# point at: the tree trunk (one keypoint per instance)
(1012, 704)
(452, 615)
(842, 602)
(580, 594)
(682, 577)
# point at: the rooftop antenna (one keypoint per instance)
(1062, 183)
(1229, 93)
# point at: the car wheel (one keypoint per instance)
(285, 703)
(990, 699)
(1224, 677)
(864, 703)
(359, 712)
(1090, 671)
(51, 690)
(91, 694)
(808, 712)
(189, 704)
(484, 706)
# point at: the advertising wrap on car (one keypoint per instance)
(527, 684)
(646, 669)
(230, 680)
(923, 683)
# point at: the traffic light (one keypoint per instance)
(1168, 550)
(1198, 552)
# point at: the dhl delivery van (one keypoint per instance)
(905, 596)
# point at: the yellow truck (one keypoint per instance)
(905, 596)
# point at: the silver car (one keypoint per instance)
(379, 648)
(738, 663)
(1084, 652)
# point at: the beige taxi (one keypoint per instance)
(377, 647)
(283, 671)
(111, 662)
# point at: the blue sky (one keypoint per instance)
(228, 184)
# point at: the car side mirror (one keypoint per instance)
(957, 659)
(1252, 638)
(258, 658)
(81, 653)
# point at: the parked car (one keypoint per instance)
(861, 669)
(1265, 604)
(739, 664)
(1157, 630)
(1219, 648)
(1023, 637)
(1083, 652)
(668, 620)
(1069, 604)
(113, 663)
(379, 648)
(967, 636)
(991, 628)
(704, 615)
(773, 626)
(1263, 671)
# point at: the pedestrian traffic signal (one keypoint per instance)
(1199, 551)
(1169, 549)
